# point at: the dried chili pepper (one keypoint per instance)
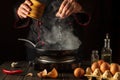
(11, 71)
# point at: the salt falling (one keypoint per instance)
(57, 34)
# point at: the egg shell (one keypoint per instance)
(107, 74)
(53, 73)
(97, 72)
(117, 76)
(88, 71)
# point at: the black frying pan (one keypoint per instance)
(50, 52)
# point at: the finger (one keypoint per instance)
(71, 8)
(24, 11)
(62, 6)
(65, 9)
(71, 1)
(25, 6)
(21, 14)
(69, 11)
(57, 15)
(28, 2)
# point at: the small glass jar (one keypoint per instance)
(94, 56)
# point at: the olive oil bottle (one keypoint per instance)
(106, 53)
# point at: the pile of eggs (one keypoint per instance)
(103, 70)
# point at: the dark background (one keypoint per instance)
(105, 19)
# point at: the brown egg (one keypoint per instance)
(114, 67)
(94, 66)
(100, 62)
(79, 72)
(104, 66)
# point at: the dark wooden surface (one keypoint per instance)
(26, 68)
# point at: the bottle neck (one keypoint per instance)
(107, 43)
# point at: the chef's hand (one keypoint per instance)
(67, 8)
(24, 9)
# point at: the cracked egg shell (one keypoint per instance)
(107, 74)
(53, 73)
(97, 72)
(117, 76)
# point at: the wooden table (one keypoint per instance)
(24, 65)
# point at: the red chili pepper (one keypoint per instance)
(12, 71)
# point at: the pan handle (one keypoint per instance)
(27, 41)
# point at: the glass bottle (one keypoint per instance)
(94, 56)
(106, 53)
